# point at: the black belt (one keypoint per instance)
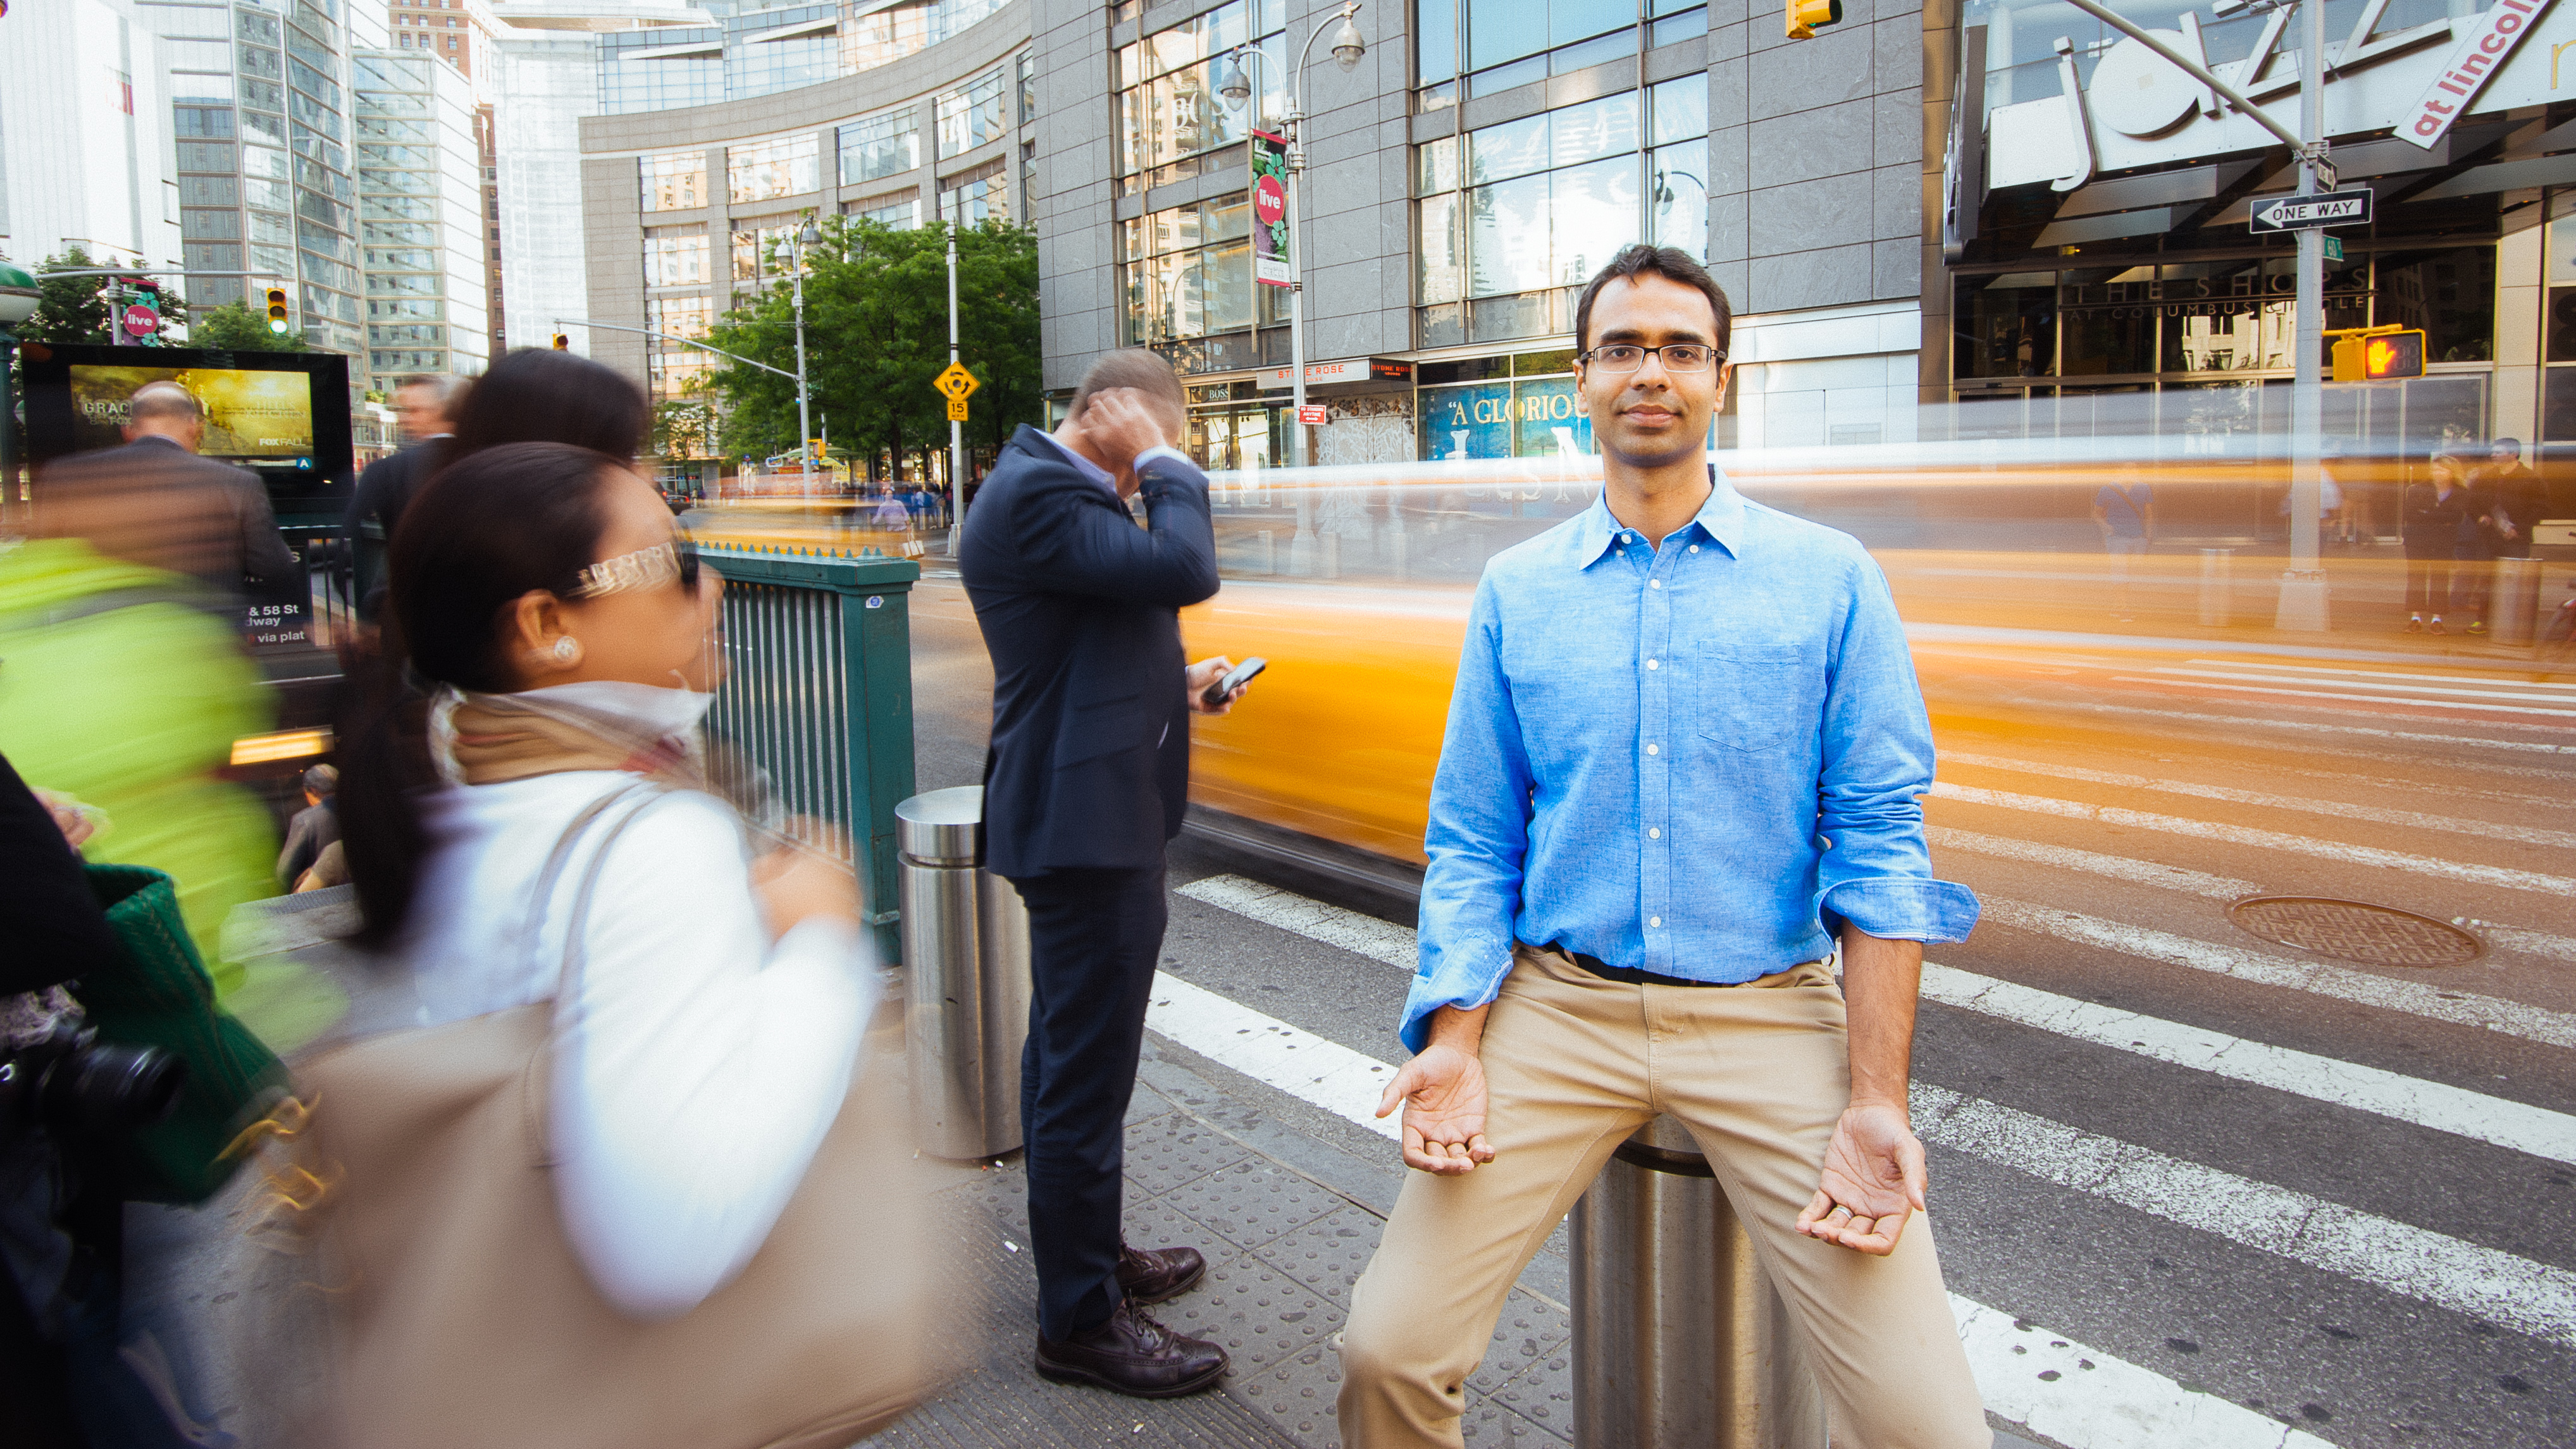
(1629, 974)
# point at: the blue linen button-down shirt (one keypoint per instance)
(1685, 759)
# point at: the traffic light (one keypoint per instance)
(277, 320)
(562, 343)
(1806, 17)
(2378, 354)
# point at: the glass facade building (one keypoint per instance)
(761, 52)
(261, 108)
(420, 217)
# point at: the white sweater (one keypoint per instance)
(700, 1066)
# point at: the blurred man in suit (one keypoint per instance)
(155, 502)
(1086, 782)
(425, 407)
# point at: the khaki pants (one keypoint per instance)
(1573, 1064)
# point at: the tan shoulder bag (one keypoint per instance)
(462, 1317)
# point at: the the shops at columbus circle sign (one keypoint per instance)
(2138, 109)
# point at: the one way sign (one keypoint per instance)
(2290, 213)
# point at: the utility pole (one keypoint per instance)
(956, 429)
(2302, 603)
(2303, 585)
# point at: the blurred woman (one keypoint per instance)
(2435, 519)
(541, 591)
(539, 395)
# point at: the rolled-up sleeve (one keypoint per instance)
(1478, 836)
(1875, 872)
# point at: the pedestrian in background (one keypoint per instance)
(2127, 520)
(2515, 497)
(155, 502)
(2437, 519)
(314, 829)
(539, 831)
(425, 408)
(1683, 754)
(1087, 781)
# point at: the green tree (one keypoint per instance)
(76, 309)
(876, 333)
(682, 428)
(236, 327)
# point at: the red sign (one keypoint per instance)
(1270, 199)
(1313, 416)
(141, 321)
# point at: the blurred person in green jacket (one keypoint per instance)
(122, 688)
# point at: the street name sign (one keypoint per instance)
(956, 382)
(2292, 213)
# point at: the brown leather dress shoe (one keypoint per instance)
(1154, 1275)
(1132, 1354)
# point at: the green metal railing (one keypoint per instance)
(819, 699)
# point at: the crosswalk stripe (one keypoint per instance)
(2376, 678)
(2069, 1392)
(2460, 1008)
(2337, 694)
(2316, 727)
(2530, 943)
(2118, 867)
(2436, 1268)
(2410, 819)
(2475, 1115)
(2491, 875)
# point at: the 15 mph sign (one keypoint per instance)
(2290, 213)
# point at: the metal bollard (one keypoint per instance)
(2513, 615)
(2217, 587)
(1331, 567)
(966, 973)
(1679, 1339)
(1265, 553)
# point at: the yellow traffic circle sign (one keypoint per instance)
(957, 410)
(957, 382)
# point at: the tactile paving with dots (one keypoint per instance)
(1328, 1254)
(1252, 1202)
(1527, 1367)
(1170, 1150)
(1256, 1313)
(1297, 1393)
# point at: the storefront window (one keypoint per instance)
(2006, 326)
(2107, 322)
(2449, 294)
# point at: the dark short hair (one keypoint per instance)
(322, 780)
(2513, 443)
(1671, 262)
(1141, 368)
(163, 399)
(539, 395)
(447, 385)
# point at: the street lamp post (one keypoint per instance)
(805, 237)
(19, 299)
(1236, 87)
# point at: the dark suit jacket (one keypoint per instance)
(1080, 610)
(384, 490)
(154, 502)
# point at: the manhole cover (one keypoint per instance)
(2356, 931)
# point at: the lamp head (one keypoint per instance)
(1232, 83)
(1348, 47)
(811, 236)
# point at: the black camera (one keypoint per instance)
(72, 1079)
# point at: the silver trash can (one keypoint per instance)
(2513, 616)
(1679, 1339)
(966, 977)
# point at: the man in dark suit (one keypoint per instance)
(1088, 778)
(425, 410)
(155, 502)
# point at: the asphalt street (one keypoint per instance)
(2272, 1190)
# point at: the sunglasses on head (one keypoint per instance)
(645, 568)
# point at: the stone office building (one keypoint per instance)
(1475, 166)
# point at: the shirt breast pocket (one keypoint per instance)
(1758, 698)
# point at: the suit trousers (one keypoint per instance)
(1573, 1065)
(1095, 937)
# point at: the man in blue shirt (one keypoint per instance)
(1682, 758)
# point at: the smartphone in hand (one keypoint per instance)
(1235, 678)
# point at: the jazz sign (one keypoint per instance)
(2136, 109)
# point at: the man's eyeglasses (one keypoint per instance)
(1677, 356)
(645, 568)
